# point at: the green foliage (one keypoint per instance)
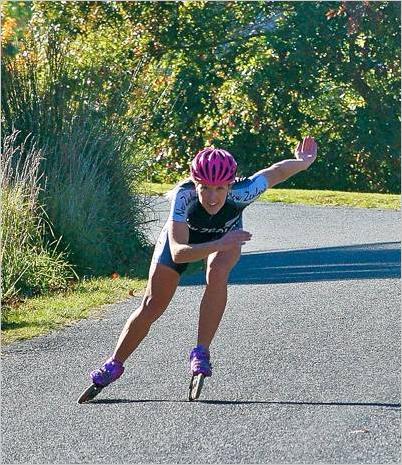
(31, 264)
(15, 17)
(89, 199)
(87, 179)
(255, 77)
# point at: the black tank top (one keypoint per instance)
(204, 227)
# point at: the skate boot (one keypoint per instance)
(200, 368)
(109, 372)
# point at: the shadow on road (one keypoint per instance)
(134, 401)
(363, 261)
(354, 404)
(245, 402)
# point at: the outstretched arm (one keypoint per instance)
(305, 154)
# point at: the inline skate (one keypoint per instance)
(110, 371)
(201, 368)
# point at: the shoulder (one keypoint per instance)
(256, 181)
(246, 190)
(182, 190)
(187, 185)
(181, 198)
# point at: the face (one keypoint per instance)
(212, 198)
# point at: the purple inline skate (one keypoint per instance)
(201, 368)
(110, 371)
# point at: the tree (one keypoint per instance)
(253, 77)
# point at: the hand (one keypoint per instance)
(233, 239)
(306, 150)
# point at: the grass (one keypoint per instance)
(40, 315)
(334, 198)
(315, 197)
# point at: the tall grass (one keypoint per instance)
(31, 264)
(88, 191)
(89, 200)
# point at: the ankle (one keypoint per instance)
(203, 346)
(114, 360)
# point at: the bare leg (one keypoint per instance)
(214, 299)
(162, 284)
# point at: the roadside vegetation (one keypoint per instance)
(102, 102)
(41, 314)
(85, 298)
(310, 197)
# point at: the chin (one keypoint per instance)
(214, 210)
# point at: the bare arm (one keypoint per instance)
(305, 154)
(183, 252)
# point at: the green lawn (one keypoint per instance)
(334, 198)
(40, 315)
(315, 197)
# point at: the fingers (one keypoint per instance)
(239, 236)
(306, 146)
(234, 239)
(309, 145)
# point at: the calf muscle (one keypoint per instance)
(162, 284)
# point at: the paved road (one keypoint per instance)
(306, 361)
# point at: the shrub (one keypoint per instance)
(89, 181)
(31, 264)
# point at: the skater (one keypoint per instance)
(205, 222)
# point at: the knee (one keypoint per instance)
(217, 273)
(150, 310)
(219, 268)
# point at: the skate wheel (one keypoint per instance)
(90, 393)
(196, 384)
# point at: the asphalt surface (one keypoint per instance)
(306, 360)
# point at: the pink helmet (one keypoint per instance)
(214, 167)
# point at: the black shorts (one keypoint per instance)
(163, 255)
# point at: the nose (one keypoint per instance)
(212, 197)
